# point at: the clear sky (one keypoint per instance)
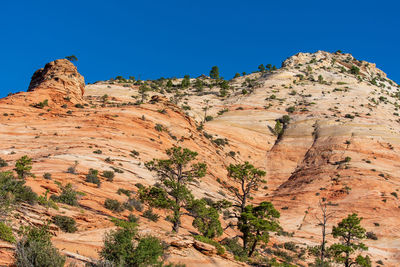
(153, 39)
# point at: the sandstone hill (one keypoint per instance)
(341, 144)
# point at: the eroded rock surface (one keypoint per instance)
(341, 144)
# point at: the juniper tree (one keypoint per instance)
(175, 173)
(350, 232)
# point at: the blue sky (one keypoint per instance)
(153, 39)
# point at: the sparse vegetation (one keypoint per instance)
(67, 224)
(113, 205)
(109, 175)
(68, 196)
(92, 177)
(149, 214)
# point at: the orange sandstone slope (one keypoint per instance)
(341, 144)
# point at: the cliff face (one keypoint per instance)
(341, 144)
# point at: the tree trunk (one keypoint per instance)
(253, 247)
(177, 221)
(323, 243)
(244, 241)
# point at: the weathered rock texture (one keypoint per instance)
(342, 144)
(60, 76)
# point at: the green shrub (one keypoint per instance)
(291, 109)
(233, 246)
(109, 175)
(92, 177)
(71, 170)
(132, 218)
(134, 153)
(17, 188)
(124, 191)
(149, 214)
(67, 224)
(48, 203)
(139, 185)
(43, 104)
(371, 235)
(68, 196)
(113, 204)
(119, 249)
(290, 246)
(36, 250)
(118, 246)
(3, 163)
(354, 70)
(135, 203)
(47, 176)
(98, 151)
(159, 127)
(6, 233)
(209, 118)
(148, 252)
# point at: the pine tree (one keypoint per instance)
(248, 179)
(175, 173)
(255, 223)
(350, 232)
(214, 73)
(23, 166)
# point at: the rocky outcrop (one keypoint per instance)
(59, 76)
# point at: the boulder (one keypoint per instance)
(205, 248)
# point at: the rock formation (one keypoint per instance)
(341, 144)
(60, 76)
